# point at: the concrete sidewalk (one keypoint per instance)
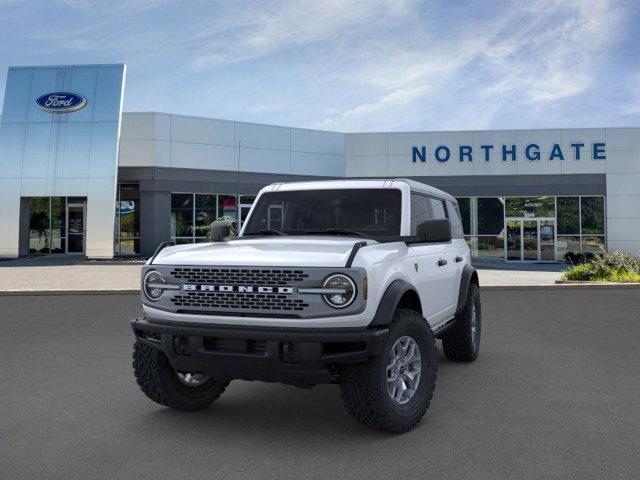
(69, 275)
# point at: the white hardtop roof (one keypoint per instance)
(359, 183)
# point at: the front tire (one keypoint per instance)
(462, 342)
(378, 393)
(162, 384)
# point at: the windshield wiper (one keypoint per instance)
(265, 231)
(336, 231)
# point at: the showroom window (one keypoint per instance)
(592, 218)
(568, 226)
(57, 225)
(581, 223)
(193, 213)
(127, 228)
(47, 225)
(246, 201)
(530, 207)
(490, 226)
(464, 206)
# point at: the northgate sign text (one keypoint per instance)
(531, 152)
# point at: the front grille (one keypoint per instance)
(239, 276)
(250, 291)
(238, 301)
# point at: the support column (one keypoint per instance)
(155, 220)
(25, 217)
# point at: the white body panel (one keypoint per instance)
(384, 263)
(416, 264)
(311, 251)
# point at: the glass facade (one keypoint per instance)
(127, 227)
(192, 214)
(541, 228)
(529, 207)
(57, 225)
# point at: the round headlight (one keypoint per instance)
(152, 285)
(344, 290)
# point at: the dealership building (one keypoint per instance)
(80, 176)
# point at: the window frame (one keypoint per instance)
(427, 199)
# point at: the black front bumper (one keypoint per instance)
(300, 357)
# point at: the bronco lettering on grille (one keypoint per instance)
(237, 289)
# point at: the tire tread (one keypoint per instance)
(148, 365)
(361, 392)
(456, 343)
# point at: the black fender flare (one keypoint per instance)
(469, 275)
(389, 302)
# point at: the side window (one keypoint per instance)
(437, 206)
(420, 211)
(456, 222)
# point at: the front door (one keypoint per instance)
(530, 240)
(75, 227)
(547, 230)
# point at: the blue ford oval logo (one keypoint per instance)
(61, 102)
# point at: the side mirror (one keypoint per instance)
(435, 230)
(219, 230)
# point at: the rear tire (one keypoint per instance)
(364, 386)
(161, 383)
(462, 342)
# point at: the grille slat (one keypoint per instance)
(238, 276)
(238, 301)
(217, 300)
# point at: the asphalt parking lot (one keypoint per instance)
(554, 394)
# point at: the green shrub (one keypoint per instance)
(624, 277)
(615, 266)
(617, 260)
(582, 271)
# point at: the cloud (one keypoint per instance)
(285, 25)
(343, 64)
(551, 57)
(535, 55)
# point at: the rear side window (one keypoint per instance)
(437, 208)
(420, 211)
(457, 230)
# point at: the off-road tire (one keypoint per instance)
(363, 386)
(159, 381)
(459, 344)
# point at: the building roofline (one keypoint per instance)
(153, 112)
(85, 65)
(229, 120)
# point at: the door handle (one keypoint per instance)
(442, 262)
(459, 259)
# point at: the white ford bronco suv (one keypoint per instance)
(340, 281)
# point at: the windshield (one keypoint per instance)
(359, 212)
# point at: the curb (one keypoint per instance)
(564, 286)
(22, 293)
(110, 262)
(136, 291)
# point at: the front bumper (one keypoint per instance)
(301, 357)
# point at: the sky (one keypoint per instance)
(350, 65)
